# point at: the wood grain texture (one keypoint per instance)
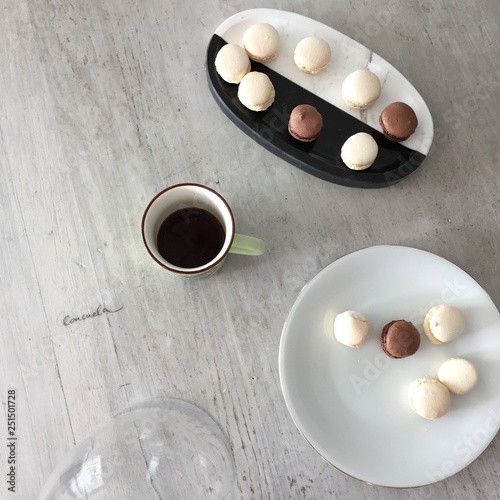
(103, 104)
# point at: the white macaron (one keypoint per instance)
(459, 375)
(444, 323)
(312, 55)
(429, 398)
(232, 63)
(359, 151)
(261, 42)
(361, 89)
(256, 91)
(351, 328)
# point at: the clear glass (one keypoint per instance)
(161, 449)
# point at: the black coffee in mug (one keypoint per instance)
(190, 237)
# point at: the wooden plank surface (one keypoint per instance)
(102, 105)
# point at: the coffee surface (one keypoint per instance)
(190, 237)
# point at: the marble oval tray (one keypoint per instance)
(321, 157)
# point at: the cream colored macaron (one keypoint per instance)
(351, 328)
(459, 375)
(361, 89)
(261, 42)
(232, 63)
(444, 323)
(312, 55)
(359, 151)
(256, 91)
(429, 398)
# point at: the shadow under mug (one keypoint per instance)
(185, 196)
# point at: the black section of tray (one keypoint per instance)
(321, 157)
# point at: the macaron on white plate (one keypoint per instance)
(352, 405)
(323, 91)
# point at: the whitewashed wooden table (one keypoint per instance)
(103, 104)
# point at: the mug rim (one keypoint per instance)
(201, 269)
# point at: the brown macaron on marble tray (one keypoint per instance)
(321, 157)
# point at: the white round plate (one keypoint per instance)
(352, 405)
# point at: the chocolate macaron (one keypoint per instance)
(400, 339)
(305, 123)
(398, 121)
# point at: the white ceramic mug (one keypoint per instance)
(184, 196)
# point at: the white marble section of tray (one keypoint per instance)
(347, 56)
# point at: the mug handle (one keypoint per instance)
(247, 245)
